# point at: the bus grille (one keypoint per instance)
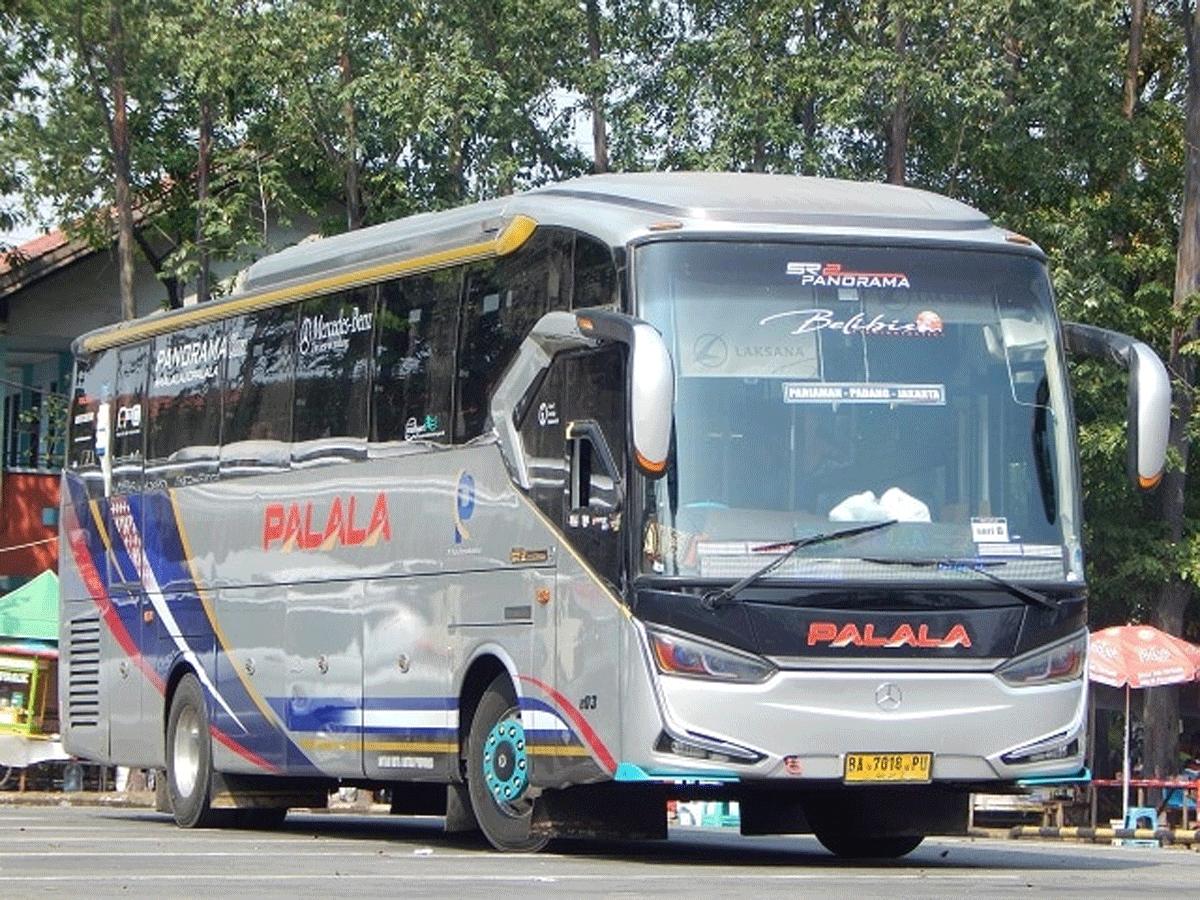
(83, 697)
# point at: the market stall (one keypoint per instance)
(29, 674)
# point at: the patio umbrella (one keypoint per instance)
(1138, 656)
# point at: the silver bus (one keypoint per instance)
(543, 512)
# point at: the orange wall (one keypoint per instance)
(25, 495)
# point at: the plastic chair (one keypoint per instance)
(1137, 814)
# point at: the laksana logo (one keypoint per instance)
(308, 526)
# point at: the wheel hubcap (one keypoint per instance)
(185, 753)
(505, 764)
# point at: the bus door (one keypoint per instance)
(574, 436)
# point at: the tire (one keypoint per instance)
(850, 846)
(259, 818)
(189, 757)
(497, 772)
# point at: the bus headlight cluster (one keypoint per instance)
(678, 655)
(1063, 661)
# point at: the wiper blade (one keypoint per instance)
(715, 599)
(982, 566)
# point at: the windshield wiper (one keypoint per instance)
(715, 599)
(982, 566)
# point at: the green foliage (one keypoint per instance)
(49, 422)
(358, 111)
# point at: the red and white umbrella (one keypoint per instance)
(1138, 656)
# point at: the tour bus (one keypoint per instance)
(541, 512)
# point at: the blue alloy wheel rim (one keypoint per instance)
(505, 763)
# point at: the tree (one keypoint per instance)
(79, 134)
(1174, 594)
(20, 51)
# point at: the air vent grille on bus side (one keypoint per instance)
(83, 698)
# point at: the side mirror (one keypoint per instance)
(103, 443)
(651, 388)
(1149, 396)
(651, 383)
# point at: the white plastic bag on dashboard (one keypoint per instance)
(894, 504)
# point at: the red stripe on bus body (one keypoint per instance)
(579, 722)
(108, 612)
(241, 751)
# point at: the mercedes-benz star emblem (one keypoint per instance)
(888, 696)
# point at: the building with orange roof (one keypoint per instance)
(52, 288)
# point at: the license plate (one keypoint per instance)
(888, 767)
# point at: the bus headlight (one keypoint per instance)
(1059, 662)
(678, 655)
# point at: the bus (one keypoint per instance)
(540, 513)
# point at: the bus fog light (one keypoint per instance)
(1060, 746)
(695, 749)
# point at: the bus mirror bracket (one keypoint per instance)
(651, 384)
(651, 387)
(1149, 396)
(553, 333)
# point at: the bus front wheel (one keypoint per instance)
(498, 771)
(189, 756)
(853, 846)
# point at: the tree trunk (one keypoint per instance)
(202, 166)
(898, 123)
(1133, 58)
(1161, 705)
(119, 135)
(354, 214)
(595, 97)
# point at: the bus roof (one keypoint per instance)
(614, 208)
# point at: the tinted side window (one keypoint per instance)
(542, 437)
(333, 377)
(128, 438)
(185, 406)
(414, 357)
(94, 378)
(502, 302)
(595, 390)
(595, 274)
(257, 431)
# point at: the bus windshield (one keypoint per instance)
(819, 385)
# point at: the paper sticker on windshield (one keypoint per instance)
(863, 392)
(989, 530)
(827, 274)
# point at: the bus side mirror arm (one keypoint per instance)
(553, 333)
(651, 387)
(103, 443)
(1149, 396)
(650, 391)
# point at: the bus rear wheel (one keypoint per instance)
(498, 772)
(189, 756)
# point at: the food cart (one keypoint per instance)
(29, 677)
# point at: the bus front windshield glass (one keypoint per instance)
(822, 387)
